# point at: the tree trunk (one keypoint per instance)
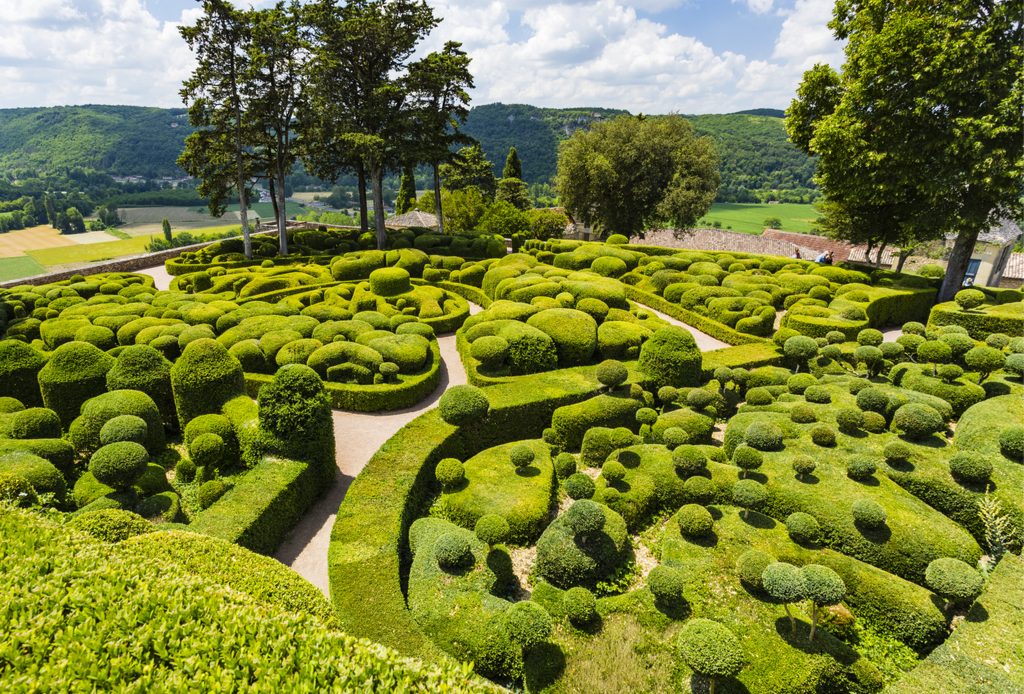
(377, 176)
(282, 214)
(956, 268)
(364, 221)
(881, 250)
(792, 622)
(904, 255)
(437, 199)
(243, 212)
(711, 685)
(814, 620)
(273, 195)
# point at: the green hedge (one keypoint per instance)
(64, 624)
(368, 550)
(980, 322)
(263, 506)
(748, 356)
(983, 655)
(717, 330)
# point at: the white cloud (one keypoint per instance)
(566, 53)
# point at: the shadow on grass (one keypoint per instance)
(758, 520)
(543, 665)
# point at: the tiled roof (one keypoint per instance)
(1014, 267)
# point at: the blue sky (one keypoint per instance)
(654, 56)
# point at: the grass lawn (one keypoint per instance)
(16, 268)
(749, 218)
(95, 252)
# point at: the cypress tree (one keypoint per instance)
(513, 167)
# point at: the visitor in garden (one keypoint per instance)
(796, 254)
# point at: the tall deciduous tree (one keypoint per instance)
(217, 153)
(920, 135)
(630, 173)
(439, 87)
(274, 88)
(361, 56)
(470, 167)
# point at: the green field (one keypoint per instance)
(95, 252)
(22, 266)
(750, 218)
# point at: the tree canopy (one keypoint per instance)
(631, 173)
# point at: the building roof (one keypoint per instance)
(1014, 267)
(1004, 231)
(412, 219)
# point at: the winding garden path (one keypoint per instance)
(705, 343)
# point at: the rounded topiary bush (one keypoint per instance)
(565, 465)
(670, 357)
(1011, 443)
(490, 350)
(764, 436)
(613, 471)
(462, 405)
(390, 281)
(802, 414)
(689, 461)
(185, 470)
(674, 437)
(646, 416)
(492, 529)
(119, 465)
(126, 427)
(580, 606)
(747, 458)
(710, 649)
(860, 467)
(527, 624)
(666, 583)
(294, 407)
(203, 378)
(803, 466)
(84, 432)
(1014, 365)
(984, 360)
(759, 396)
(111, 525)
(19, 369)
(949, 372)
(868, 514)
(954, 580)
(584, 517)
(873, 423)
(450, 473)
(210, 492)
(699, 490)
(849, 419)
(803, 528)
(751, 565)
(579, 486)
(969, 299)
(521, 457)
(818, 395)
(75, 372)
(34, 423)
(208, 451)
(800, 348)
(917, 421)
(970, 467)
(823, 435)
(612, 373)
(695, 520)
(617, 240)
(749, 495)
(798, 383)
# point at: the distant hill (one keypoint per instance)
(130, 140)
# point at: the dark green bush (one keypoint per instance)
(75, 373)
(450, 472)
(763, 435)
(527, 624)
(872, 400)
(984, 360)
(823, 435)
(125, 427)
(34, 423)
(798, 383)
(572, 552)
(203, 379)
(613, 471)
(579, 486)
(521, 457)
(673, 437)
(689, 461)
(85, 431)
(803, 465)
(759, 396)
(868, 514)
(390, 281)
(111, 525)
(462, 405)
(694, 520)
(849, 419)
(119, 465)
(19, 368)
(749, 495)
(670, 357)
(580, 606)
(490, 350)
(210, 492)
(751, 565)
(208, 452)
(803, 528)
(874, 423)
(747, 458)
(185, 470)
(970, 467)
(802, 413)
(612, 373)
(452, 552)
(954, 580)
(818, 395)
(565, 465)
(666, 583)
(897, 452)
(710, 649)
(1011, 443)
(492, 529)
(860, 467)
(917, 421)
(573, 332)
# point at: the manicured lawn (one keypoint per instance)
(21, 266)
(750, 218)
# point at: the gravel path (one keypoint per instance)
(705, 342)
(161, 279)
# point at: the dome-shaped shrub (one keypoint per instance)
(76, 372)
(800, 348)
(462, 405)
(970, 467)
(617, 240)
(759, 396)
(450, 472)
(694, 520)
(125, 427)
(185, 470)
(803, 465)
(949, 372)
(490, 350)
(674, 437)
(565, 465)
(689, 461)
(203, 379)
(613, 471)
(294, 407)
(491, 529)
(527, 624)
(34, 423)
(710, 649)
(897, 453)
(818, 395)
(849, 419)
(390, 281)
(452, 551)
(612, 373)
(671, 357)
(763, 435)
(870, 337)
(580, 606)
(803, 528)
(823, 435)
(802, 414)
(521, 456)
(699, 490)
(984, 360)
(210, 492)
(749, 495)
(798, 383)
(119, 465)
(85, 431)
(667, 584)
(823, 587)
(1011, 443)
(207, 451)
(751, 565)
(868, 514)
(783, 582)
(969, 299)
(19, 369)
(584, 517)
(917, 421)
(111, 525)
(954, 580)
(860, 467)
(873, 423)
(579, 486)
(747, 458)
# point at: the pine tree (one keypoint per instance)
(513, 167)
(406, 200)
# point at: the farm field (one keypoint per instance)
(749, 218)
(20, 266)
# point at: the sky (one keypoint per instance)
(646, 56)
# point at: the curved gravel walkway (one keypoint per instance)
(705, 343)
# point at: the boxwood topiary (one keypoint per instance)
(671, 357)
(612, 373)
(868, 514)
(44, 477)
(565, 465)
(970, 467)
(613, 471)
(527, 624)
(34, 423)
(111, 525)
(747, 458)
(802, 413)
(450, 472)
(823, 435)
(803, 465)
(573, 332)
(803, 528)
(984, 360)
(666, 583)
(19, 369)
(185, 470)
(798, 383)
(452, 552)
(208, 451)
(125, 427)
(699, 490)
(1011, 443)
(860, 467)
(710, 649)
(119, 465)
(917, 421)
(694, 520)
(491, 529)
(85, 431)
(521, 457)
(210, 492)
(874, 423)
(490, 350)
(462, 405)
(749, 495)
(763, 435)
(16, 490)
(969, 299)
(849, 419)
(759, 396)
(203, 379)
(674, 437)
(954, 580)
(818, 395)
(689, 461)
(579, 486)
(75, 373)
(751, 565)
(390, 281)
(580, 606)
